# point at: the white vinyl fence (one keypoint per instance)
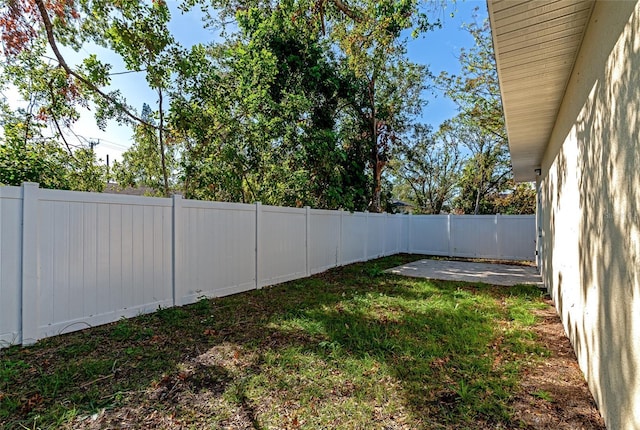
(71, 260)
(501, 237)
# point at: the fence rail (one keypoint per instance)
(70, 260)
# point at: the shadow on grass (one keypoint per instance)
(351, 347)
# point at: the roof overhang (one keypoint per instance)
(536, 43)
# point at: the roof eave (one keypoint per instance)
(532, 91)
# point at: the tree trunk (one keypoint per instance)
(163, 161)
(478, 192)
(376, 164)
(377, 186)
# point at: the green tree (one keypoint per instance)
(303, 104)
(487, 170)
(479, 127)
(50, 99)
(368, 37)
(139, 33)
(56, 91)
(264, 125)
(205, 113)
(519, 200)
(35, 26)
(141, 165)
(370, 34)
(427, 171)
(389, 101)
(33, 146)
(476, 91)
(27, 155)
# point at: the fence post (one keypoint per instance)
(498, 244)
(177, 251)
(409, 221)
(258, 233)
(339, 252)
(307, 216)
(384, 235)
(366, 236)
(30, 267)
(449, 234)
(400, 239)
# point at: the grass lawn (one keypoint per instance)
(352, 348)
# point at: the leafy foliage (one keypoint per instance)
(473, 144)
(264, 128)
(430, 166)
(26, 155)
(487, 170)
(55, 92)
(142, 164)
(521, 199)
(287, 117)
(304, 102)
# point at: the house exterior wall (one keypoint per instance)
(590, 211)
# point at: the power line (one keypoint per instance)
(114, 145)
(112, 142)
(92, 142)
(117, 147)
(102, 141)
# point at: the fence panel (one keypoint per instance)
(474, 236)
(517, 237)
(429, 234)
(393, 234)
(324, 249)
(10, 265)
(375, 235)
(406, 233)
(215, 249)
(71, 260)
(101, 257)
(354, 235)
(282, 245)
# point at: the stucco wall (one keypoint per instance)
(590, 192)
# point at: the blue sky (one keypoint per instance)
(437, 49)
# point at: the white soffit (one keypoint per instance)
(536, 43)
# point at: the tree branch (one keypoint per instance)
(494, 183)
(165, 176)
(346, 10)
(55, 120)
(48, 26)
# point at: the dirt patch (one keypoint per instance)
(554, 393)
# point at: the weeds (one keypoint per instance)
(544, 395)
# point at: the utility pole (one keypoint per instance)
(93, 144)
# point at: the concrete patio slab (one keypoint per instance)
(495, 274)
